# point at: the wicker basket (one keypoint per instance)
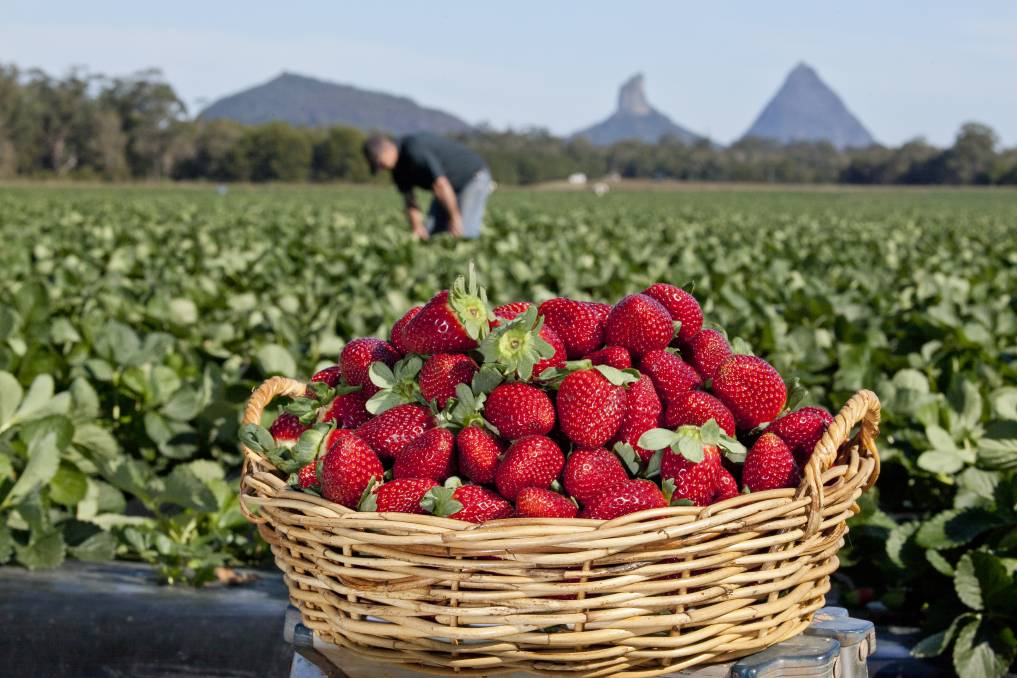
(642, 595)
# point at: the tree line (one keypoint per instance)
(85, 125)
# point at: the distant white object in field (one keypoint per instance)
(613, 177)
(222, 189)
(577, 179)
(600, 188)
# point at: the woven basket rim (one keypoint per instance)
(862, 409)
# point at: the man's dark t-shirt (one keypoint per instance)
(424, 157)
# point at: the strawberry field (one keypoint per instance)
(134, 322)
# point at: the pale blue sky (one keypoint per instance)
(904, 68)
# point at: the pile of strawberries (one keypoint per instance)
(566, 409)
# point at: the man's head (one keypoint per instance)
(381, 153)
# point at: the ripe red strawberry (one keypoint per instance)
(335, 435)
(560, 354)
(725, 486)
(348, 410)
(356, 359)
(706, 351)
(441, 373)
(479, 452)
(625, 497)
(510, 310)
(402, 495)
(694, 481)
(615, 356)
(518, 410)
(395, 337)
(308, 476)
(681, 306)
(429, 455)
(770, 465)
(532, 461)
(472, 503)
(578, 324)
(695, 408)
(330, 376)
(671, 375)
(642, 412)
(347, 468)
(589, 472)
(393, 429)
(590, 408)
(751, 388)
(801, 430)
(536, 502)
(452, 321)
(287, 429)
(640, 324)
(600, 309)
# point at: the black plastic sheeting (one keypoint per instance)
(114, 620)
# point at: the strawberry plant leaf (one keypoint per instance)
(43, 461)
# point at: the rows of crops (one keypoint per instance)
(135, 321)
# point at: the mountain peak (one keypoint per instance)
(806, 109)
(635, 119)
(632, 97)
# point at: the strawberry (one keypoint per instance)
(402, 495)
(642, 412)
(518, 410)
(590, 407)
(330, 376)
(578, 324)
(441, 373)
(393, 429)
(479, 452)
(395, 337)
(287, 429)
(523, 346)
(357, 356)
(510, 310)
(452, 321)
(532, 461)
(599, 309)
(706, 351)
(770, 465)
(615, 356)
(694, 481)
(472, 503)
(671, 375)
(751, 388)
(589, 472)
(348, 411)
(640, 324)
(801, 430)
(536, 502)
(308, 475)
(347, 469)
(625, 497)
(725, 486)
(335, 435)
(695, 408)
(429, 455)
(680, 305)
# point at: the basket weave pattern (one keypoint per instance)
(645, 594)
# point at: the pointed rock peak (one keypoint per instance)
(803, 72)
(632, 97)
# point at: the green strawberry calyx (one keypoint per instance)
(516, 346)
(691, 441)
(368, 499)
(469, 302)
(555, 375)
(465, 409)
(310, 408)
(438, 500)
(398, 384)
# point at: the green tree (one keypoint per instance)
(338, 156)
(278, 152)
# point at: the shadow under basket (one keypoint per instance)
(645, 594)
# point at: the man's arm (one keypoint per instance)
(444, 193)
(414, 215)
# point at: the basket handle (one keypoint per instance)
(862, 408)
(256, 404)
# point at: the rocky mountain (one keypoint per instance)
(308, 102)
(806, 109)
(635, 118)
